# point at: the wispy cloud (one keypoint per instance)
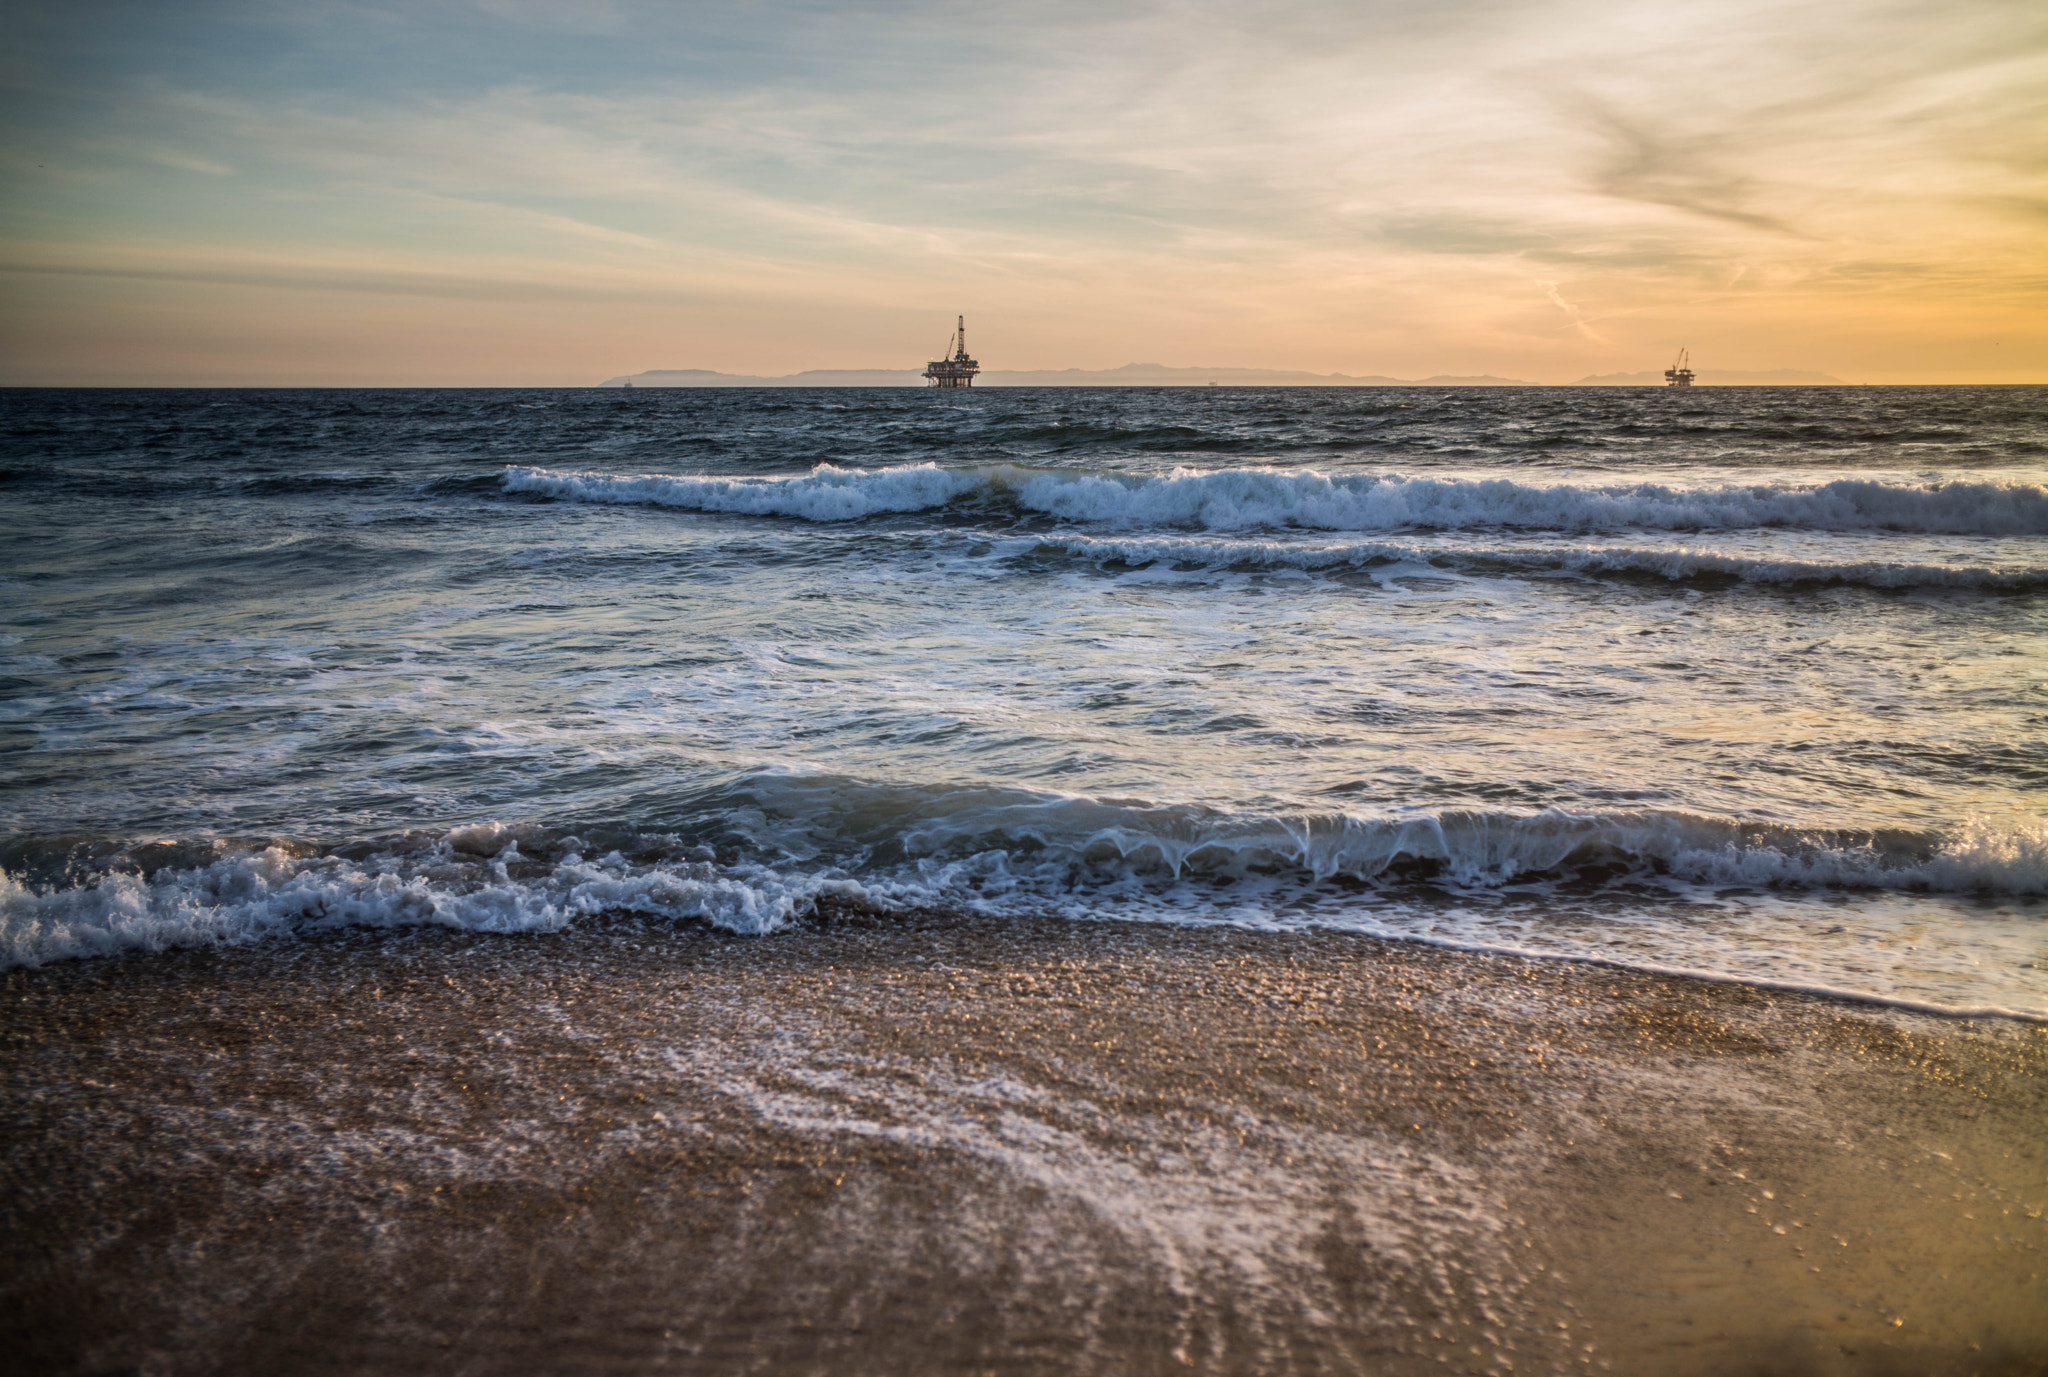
(185, 162)
(1333, 183)
(1650, 166)
(1576, 319)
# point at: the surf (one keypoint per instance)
(1251, 498)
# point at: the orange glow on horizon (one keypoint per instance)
(1541, 194)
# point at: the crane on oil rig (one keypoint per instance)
(958, 370)
(1679, 374)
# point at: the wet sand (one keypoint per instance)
(935, 1144)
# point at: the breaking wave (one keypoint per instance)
(981, 850)
(473, 879)
(1030, 841)
(1670, 564)
(1250, 498)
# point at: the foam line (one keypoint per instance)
(1754, 982)
(270, 893)
(1475, 848)
(1584, 559)
(999, 852)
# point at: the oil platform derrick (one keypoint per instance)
(1679, 374)
(957, 371)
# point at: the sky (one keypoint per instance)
(526, 192)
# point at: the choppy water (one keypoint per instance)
(1747, 682)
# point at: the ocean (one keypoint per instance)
(1749, 684)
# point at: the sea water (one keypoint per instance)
(1748, 683)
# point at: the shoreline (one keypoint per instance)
(1830, 994)
(936, 1143)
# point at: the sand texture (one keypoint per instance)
(935, 1144)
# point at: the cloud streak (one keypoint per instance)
(1362, 188)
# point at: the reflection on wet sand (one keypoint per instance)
(940, 1144)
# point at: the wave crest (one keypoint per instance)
(276, 891)
(1091, 843)
(1251, 498)
(998, 851)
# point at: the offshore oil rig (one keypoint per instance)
(957, 371)
(1679, 374)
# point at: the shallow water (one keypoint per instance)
(1747, 682)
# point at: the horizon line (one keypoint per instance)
(1505, 385)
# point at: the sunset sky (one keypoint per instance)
(531, 192)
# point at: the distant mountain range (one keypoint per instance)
(816, 377)
(1717, 377)
(1160, 375)
(1130, 375)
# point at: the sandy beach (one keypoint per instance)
(1349, 689)
(938, 1144)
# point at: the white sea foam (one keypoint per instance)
(272, 892)
(1586, 559)
(825, 494)
(1252, 498)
